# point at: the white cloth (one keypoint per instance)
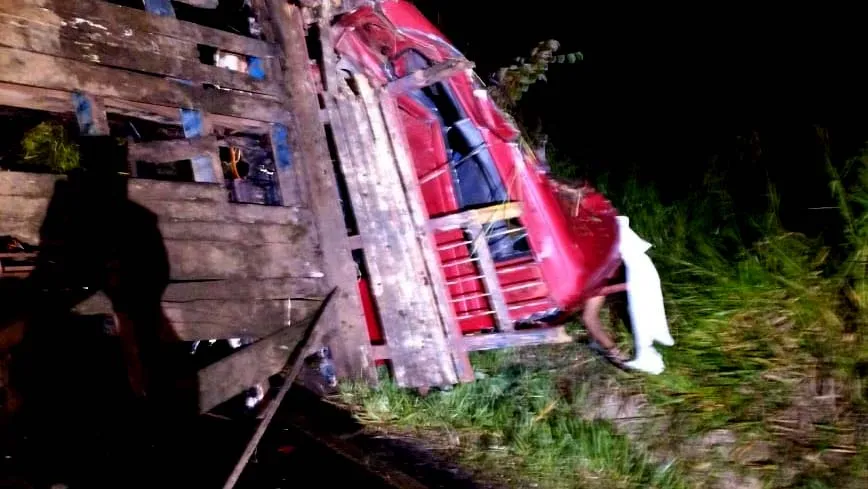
(645, 298)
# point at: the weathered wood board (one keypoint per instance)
(408, 311)
(348, 334)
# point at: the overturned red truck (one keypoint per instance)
(564, 247)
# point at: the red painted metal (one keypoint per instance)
(572, 240)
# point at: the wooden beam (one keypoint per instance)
(412, 325)
(428, 76)
(348, 336)
(204, 260)
(127, 20)
(485, 215)
(40, 70)
(277, 288)
(239, 318)
(479, 245)
(404, 163)
(66, 42)
(172, 150)
(246, 367)
(526, 337)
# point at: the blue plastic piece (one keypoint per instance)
(160, 7)
(280, 142)
(255, 68)
(191, 121)
(84, 113)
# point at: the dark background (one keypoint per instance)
(671, 94)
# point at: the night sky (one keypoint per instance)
(669, 90)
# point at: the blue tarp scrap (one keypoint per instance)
(193, 125)
(280, 142)
(83, 113)
(160, 7)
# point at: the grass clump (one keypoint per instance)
(48, 146)
(513, 421)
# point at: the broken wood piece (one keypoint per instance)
(484, 215)
(525, 337)
(428, 76)
(479, 247)
(292, 367)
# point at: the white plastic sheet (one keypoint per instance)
(645, 298)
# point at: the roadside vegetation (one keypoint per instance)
(764, 387)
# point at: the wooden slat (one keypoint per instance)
(87, 31)
(348, 336)
(246, 367)
(201, 260)
(421, 356)
(40, 70)
(133, 21)
(173, 150)
(35, 98)
(428, 76)
(221, 319)
(499, 212)
(278, 288)
(67, 42)
(403, 160)
(529, 337)
(479, 244)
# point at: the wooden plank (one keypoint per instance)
(278, 288)
(66, 42)
(291, 370)
(202, 260)
(485, 215)
(246, 367)
(479, 246)
(87, 31)
(410, 318)
(221, 319)
(348, 335)
(59, 74)
(146, 190)
(417, 239)
(172, 150)
(33, 98)
(206, 319)
(428, 76)
(400, 147)
(133, 21)
(293, 236)
(23, 184)
(527, 337)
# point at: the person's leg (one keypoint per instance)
(591, 319)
